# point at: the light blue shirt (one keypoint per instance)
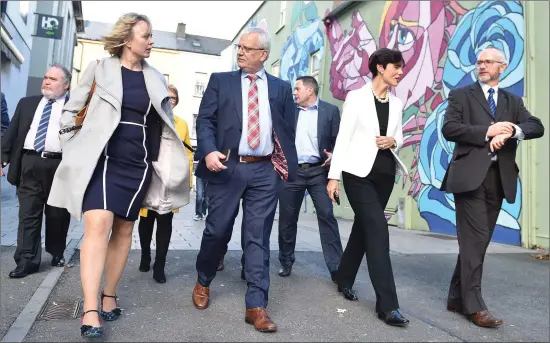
(266, 126)
(307, 145)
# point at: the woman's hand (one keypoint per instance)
(332, 189)
(384, 142)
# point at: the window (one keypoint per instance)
(200, 84)
(282, 15)
(275, 68)
(315, 64)
(194, 131)
(24, 10)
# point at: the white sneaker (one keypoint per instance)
(197, 217)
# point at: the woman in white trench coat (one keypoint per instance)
(126, 155)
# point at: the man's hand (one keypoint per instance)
(498, 141)
(213, 162)
(384, 142)
(329, 158)
(503, 127)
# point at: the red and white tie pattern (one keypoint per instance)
(253, 113)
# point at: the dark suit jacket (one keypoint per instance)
(467, 120)
(219, 123)
(5, 115)
(14, 139)
(328, 123)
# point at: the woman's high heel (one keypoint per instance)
(88, 331)
(112, 315)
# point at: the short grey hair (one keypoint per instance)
(499, 52)
(67, 76)
(265, 40)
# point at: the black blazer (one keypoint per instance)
(467, 120)
(328, 123)
(14, 139)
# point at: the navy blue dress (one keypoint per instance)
(123, 172)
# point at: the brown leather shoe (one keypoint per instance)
(485, 319)
(201, 296)
(260, 319)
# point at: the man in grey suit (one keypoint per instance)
(316, 130)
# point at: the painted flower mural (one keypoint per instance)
(306, 39)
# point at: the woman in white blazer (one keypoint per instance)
(127, 155)
(365, 157)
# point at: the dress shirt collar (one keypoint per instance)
(261, 74)
(485, 87)
(313, 107)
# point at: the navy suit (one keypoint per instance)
(314, 179)
(219, 128)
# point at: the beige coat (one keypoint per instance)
(169, 187)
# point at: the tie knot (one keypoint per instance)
(51, 101)
(252, 77)
(491, 91)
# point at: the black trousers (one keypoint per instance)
(164, 234)
(34, 188)
(314, 180)
(476, 216)
(369, 236)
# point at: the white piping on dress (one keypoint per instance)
(144, 160)
(105, 178)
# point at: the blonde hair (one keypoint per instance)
(122, 32)
(174, 90)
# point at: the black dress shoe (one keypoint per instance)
(393, 318)
(158, 273)
(58, 261)
(285, 271)
(22, 271)
(348, 293)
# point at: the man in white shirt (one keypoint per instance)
(316, 130)
(32, 149)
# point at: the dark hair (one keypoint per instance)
(385, 56)
(175, 91)
(309, 81)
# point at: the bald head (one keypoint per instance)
(491, 62)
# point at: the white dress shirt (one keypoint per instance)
(52, 136)
(266, 126)
(307, 145)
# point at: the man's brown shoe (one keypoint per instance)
(201, 296)
(485, 319)
(260, 319)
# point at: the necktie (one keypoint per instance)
(491, 101)
(40, 140)
(253, 113)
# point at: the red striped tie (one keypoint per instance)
(253, 114)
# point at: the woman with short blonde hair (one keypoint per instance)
(107, 171)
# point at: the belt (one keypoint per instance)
(252, 159)
(44, 154)
(309, 165)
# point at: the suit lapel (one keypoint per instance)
(109, 77)
(297, 111)
(321, 117)
(502, 104)
(371, 117)
(236, 88)
(477, 92)
(157, 90)
(30, 112)
(272, 90)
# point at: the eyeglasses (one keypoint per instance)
(487, 62)
(173, 98)
(245, 48)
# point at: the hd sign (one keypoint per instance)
(49, 26)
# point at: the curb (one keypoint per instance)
(22, 325)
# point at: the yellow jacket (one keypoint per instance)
(183, 132)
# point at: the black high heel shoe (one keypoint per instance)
(158, 273)
(145, 263)
(88, 331)
(112, 315)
